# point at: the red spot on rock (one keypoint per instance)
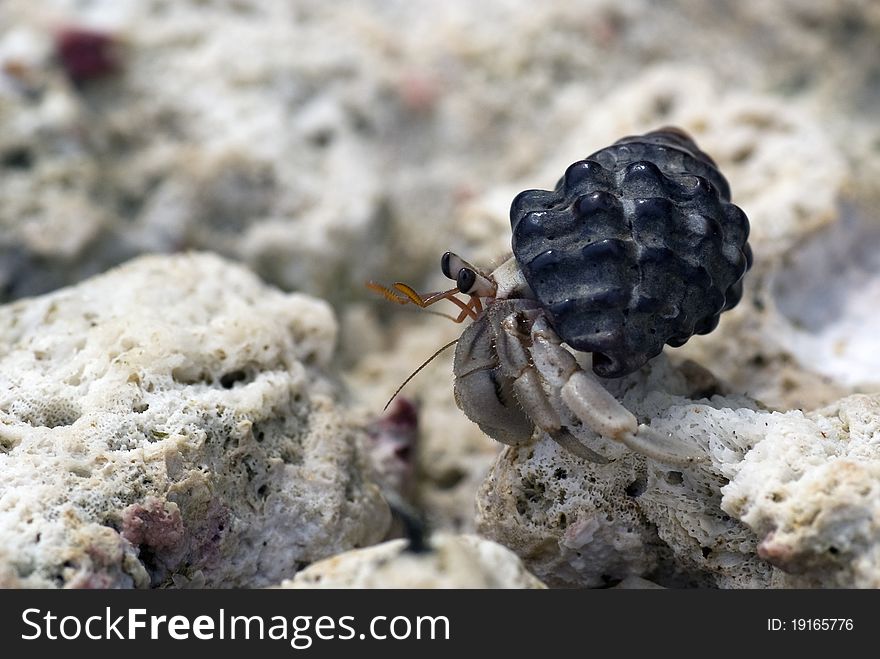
(87, 54)
(403, 416)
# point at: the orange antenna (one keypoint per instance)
(401, 293)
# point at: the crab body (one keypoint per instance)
(513, 376)
(638, 246)
(485, 372)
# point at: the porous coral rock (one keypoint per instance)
(781, 499)
(813, 499)
(172, 418)
(451, 561)
(578, 523)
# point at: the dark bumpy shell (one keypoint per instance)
(637, 246)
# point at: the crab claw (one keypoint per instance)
(662, 447)
(604, 414)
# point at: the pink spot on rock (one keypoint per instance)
(92, 581)
(393, 442)
(419, 92)
(402, 417)
(155, 524)
(783, 555)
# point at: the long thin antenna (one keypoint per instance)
(416, 372)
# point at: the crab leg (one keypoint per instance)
(511, 345)
(590, 402)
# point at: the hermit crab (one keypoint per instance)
(637, 246)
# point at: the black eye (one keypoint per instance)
(466, 279)
(444, 265)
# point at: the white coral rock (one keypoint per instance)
(170, 418)
(783, 499)
(578, 523)
(813, 497)
(453, 561)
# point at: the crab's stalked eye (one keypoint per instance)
(469, 280)
(444, 265)
(451, 264)
(466, 280)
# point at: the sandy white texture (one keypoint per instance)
(454, 561)
(171, 418)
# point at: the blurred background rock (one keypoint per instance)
(326, 144)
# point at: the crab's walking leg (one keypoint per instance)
(593, 405)
(511, 344)
(590, 402)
